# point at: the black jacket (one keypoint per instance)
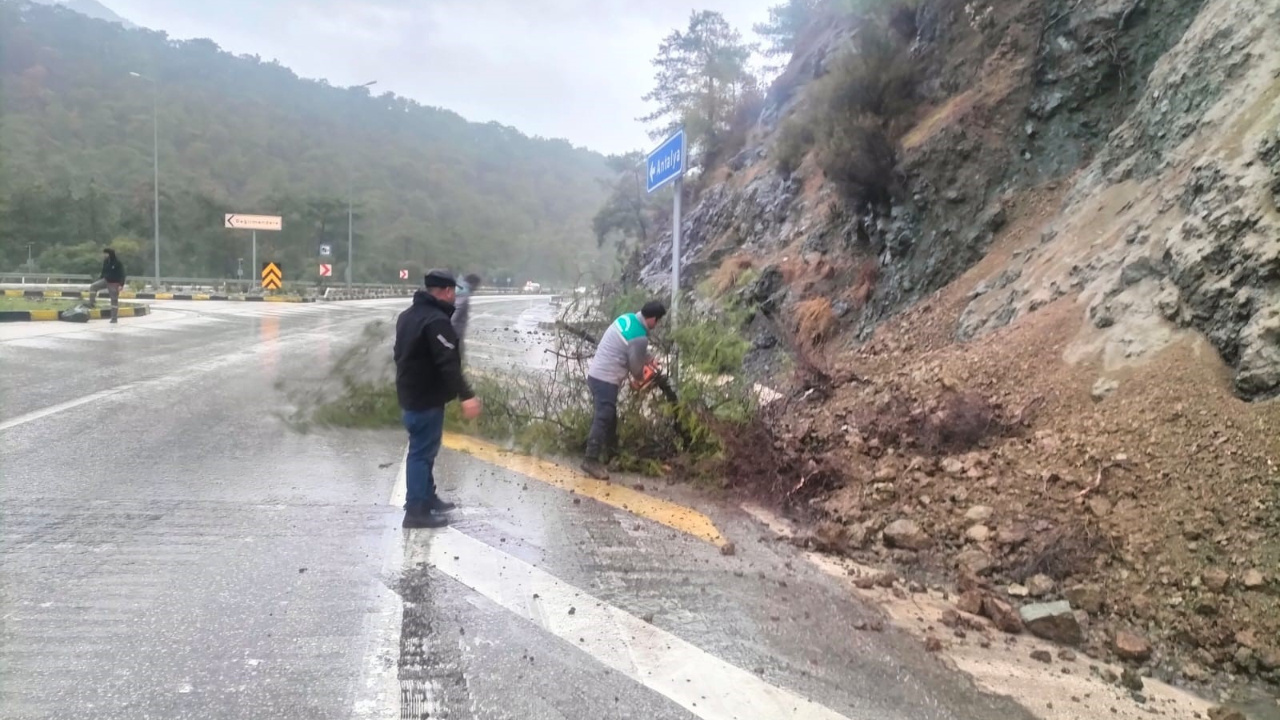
(112, 270)
(428, 366)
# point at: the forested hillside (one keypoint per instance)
(238, 134)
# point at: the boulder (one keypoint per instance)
(1131, 646)
(907, 535)
(1040, 585)
(979, 514)
(1002, 614)
(1053, 621)
(1253, 580)
(1215, 579)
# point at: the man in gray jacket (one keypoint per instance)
(623, 350)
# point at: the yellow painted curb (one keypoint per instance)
(44, 315)
(677, 517)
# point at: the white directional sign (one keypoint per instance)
(404, 274)
(253, 222)
(326, 270)
(326, 251)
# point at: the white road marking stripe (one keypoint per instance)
(182, 375)
(698, 681)
(60, 407)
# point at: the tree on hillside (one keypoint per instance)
(630, 214)
(785, 25)
(702, 76)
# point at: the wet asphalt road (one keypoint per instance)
(171, 549)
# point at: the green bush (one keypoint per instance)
(795, 138)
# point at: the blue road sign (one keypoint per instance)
(667, 162)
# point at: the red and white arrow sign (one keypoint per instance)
(326, 270)
(404, 274)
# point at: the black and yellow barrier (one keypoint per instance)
(95, 314)
(130, 295)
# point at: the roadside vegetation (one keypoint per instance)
(548, 412)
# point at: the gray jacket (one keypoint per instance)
(462, 312)
(623, 350)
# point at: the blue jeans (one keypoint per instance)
(426, 430)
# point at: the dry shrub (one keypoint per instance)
(730, 274)
(814, 320)
(1067, 551)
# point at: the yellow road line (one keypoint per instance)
(676, 517)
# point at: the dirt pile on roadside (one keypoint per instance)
(1146, 497)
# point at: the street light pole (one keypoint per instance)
(351, 258)
(155, 164)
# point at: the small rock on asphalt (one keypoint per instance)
(1225, 713)
(1253, 580)
(728, 549)
(1043, 656)
(1131, 680)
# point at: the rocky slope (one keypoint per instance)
(1056, 355)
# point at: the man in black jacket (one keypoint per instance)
(428, 377)
(112, 278)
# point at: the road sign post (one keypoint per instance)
(666, 164)
(253, 223)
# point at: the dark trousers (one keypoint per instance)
(426, 431)
(604, 420)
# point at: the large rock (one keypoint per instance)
(979, 513)
(907, 535)
(1002, 614)
(1053, 621)
(1253, 580)
(1130, 646)
(1215, 579)
(1040, 585)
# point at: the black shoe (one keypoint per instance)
(423, 520)
(595, 469)
(438, 505)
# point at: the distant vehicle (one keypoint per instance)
(532, 287)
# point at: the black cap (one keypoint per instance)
(654, 309)
(439, 279)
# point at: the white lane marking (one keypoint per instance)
(182, 375)
(61, 407)
(698, 681)
(401, 489)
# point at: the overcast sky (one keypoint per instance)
(558, 68)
